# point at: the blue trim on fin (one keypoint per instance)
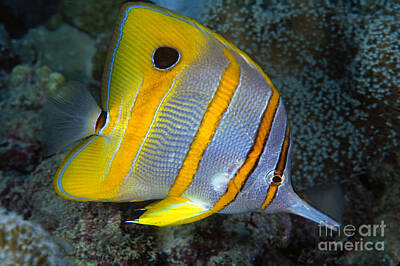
(113, 57)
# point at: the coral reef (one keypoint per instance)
(8, 58)
(313, 52)
(19, 16)
(75, 60)
(387, 210)
(97, 231)
(13, 194)
(225, 239)
(375, 80)
(91, 16)
(25, 243)
(24, 95)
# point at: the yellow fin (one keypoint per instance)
(171, 211)
(84, 176)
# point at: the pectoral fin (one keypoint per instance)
(172, 211)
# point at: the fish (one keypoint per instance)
(186, 118)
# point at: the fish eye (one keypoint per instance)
(165, 57)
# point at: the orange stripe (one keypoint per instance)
(280, 167)
(253, 157)
(271, 193)
(211, 119)
(249, 165)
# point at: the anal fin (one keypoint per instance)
(172, 211)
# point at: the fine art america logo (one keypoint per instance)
(367, 238)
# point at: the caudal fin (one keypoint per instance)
(71, 115)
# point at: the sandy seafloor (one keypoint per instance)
(337, 67)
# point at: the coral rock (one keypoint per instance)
(25, 243)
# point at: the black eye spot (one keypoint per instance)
(276, 179)
(165, 57)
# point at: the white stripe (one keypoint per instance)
(123, 133)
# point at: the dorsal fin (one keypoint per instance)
(71, 115)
